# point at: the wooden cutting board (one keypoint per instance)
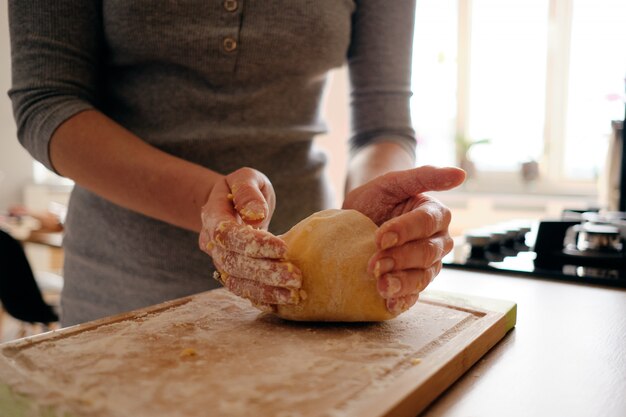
(214, 355)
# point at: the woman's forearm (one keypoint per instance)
(375, 160)
(103, 157)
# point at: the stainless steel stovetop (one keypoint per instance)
(586, 247)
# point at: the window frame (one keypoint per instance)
(552, 180)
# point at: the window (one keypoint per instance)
(540, 80)
(434, 81)
(596, 83)
(506, 81)
(41, 175)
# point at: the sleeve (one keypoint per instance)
(379, 61)
(55, 53)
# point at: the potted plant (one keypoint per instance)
(463, 147)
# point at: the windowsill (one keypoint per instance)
(509, 183)
(473, 207)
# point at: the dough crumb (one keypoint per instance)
(188, 352)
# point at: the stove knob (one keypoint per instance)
(598, 237)
(478, 242)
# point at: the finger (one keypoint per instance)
(410, 281)
(429, 218)
(204, 241)
(218, 207)
(246, 240)
(267, 308)
(403, 184)
(401, 304)
(252, 194)
(219, 219)
(418, 254)
(259, 293)
(264, 271)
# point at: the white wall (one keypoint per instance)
(336, 114)
(16, 165)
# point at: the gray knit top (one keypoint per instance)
(222, 83)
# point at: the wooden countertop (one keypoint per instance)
(54, 240)
(27, 232)
(566, 356)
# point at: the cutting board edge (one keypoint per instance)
(409, 402)
(457, 299)
(92, 325)
(409, 407)
(506, 307)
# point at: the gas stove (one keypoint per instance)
(581, 246)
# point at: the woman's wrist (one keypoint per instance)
(107, 159)
(374, 160)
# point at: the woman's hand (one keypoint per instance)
(413, 234)
(249, 260)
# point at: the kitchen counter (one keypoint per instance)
(566, 356)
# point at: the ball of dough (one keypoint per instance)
(332, 248)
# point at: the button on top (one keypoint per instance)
(231, 5)
(229, 44)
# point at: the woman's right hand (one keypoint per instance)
(250, 261)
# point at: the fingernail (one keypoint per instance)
(383, 265)
(401, 304)
(390, 286)
(389, 240)
(294, 297)
(254, 210)
(293, 277)
(394, 305)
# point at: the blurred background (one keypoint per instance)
(526, 95)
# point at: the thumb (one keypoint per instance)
(418, 180)
(220, 224)
(253, 196)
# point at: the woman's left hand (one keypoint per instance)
(412, 237)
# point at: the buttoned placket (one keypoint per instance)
(230, 43)
(231, 5)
